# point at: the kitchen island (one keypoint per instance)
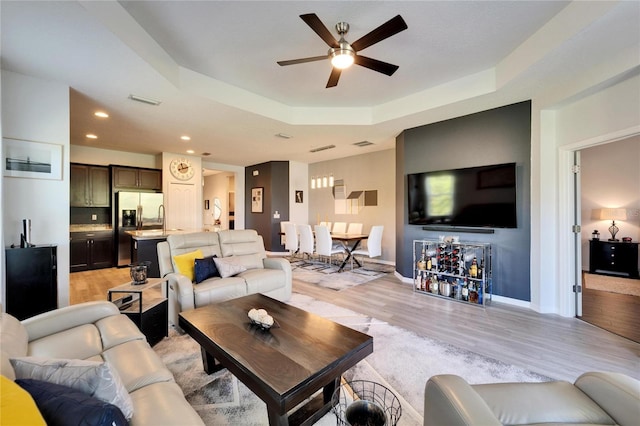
(144, 242)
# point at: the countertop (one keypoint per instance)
(159, 234)
(89, 227)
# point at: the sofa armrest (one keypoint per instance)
(181, 297)
(615, 393)
(450, 400)
(68, 317)
(278, 263)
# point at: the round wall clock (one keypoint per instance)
(182, 169)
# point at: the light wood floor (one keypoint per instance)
(557, 347)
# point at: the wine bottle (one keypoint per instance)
(473, 269)
(465, 290)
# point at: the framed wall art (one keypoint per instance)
(257, 200)
(27, 159)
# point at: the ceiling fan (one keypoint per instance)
(343, 54)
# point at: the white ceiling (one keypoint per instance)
(213, 66)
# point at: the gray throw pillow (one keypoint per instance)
(96, 379)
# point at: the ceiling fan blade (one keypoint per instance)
(391, 27)
(376, 65)
(334, 77)
(302, 60)
(316, 25)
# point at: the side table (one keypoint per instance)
(146, 304)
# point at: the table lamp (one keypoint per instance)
(612, 215)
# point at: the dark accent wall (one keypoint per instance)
(500, 135)
(274, 178)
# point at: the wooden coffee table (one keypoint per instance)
(284, 366)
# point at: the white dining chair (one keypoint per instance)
(291, 238)
(374, 244)
(324, 248)
(327, 224)
(306, 241)
(354, 228)
(339, 228)
(283, 238)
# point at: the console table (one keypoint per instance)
(613, 258)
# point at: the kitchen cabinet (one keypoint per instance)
(91, 250)
(613, 258)
(31, 280)
(136, 178)
(458, 271)
(89, 186)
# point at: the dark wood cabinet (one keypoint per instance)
(135, 178)
(31, 280)
(89, 186)
(146, 250)
(91, 250)
(613, 258)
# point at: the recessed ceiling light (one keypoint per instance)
(101, 114)
(190, 151)
(185, 138)
(91, 136)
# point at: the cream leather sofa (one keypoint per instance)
(269, 276)
(594, 399)
(97, 331)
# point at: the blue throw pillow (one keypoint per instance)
(65, 406)
(205, 268)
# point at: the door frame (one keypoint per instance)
(570, 272)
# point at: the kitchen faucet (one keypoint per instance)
(164, 223)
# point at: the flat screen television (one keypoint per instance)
(482, 196)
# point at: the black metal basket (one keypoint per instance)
(365, 403)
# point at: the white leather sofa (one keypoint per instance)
(596, 398)
(269, 276)
(97, 331)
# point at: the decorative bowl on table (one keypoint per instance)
(261, 319)
(138, 272)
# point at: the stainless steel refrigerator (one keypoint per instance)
(136, 210)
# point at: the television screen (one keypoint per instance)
(482, 196)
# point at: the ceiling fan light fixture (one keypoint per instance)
(342, 57)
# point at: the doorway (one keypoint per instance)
(219, 195)
(608, 178)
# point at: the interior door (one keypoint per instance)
(181, 206)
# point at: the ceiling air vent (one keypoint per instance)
(322, 148)
(147, 101)
(363, 143)
(205, 154)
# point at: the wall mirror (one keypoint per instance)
(217, 209)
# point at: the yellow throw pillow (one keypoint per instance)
(186, 263)
(18, 407)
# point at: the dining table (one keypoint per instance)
(350, 243)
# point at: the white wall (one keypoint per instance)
(298, 181)
(591, 117)
(374, 171)
(37, 110)
(105, 157)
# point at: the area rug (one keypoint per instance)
(325, 275)
(402, 362)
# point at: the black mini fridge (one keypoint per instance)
(31, 280)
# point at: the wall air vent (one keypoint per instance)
(147, 101)
(322, 148)
(363, 143)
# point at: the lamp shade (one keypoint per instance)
(609, 214)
